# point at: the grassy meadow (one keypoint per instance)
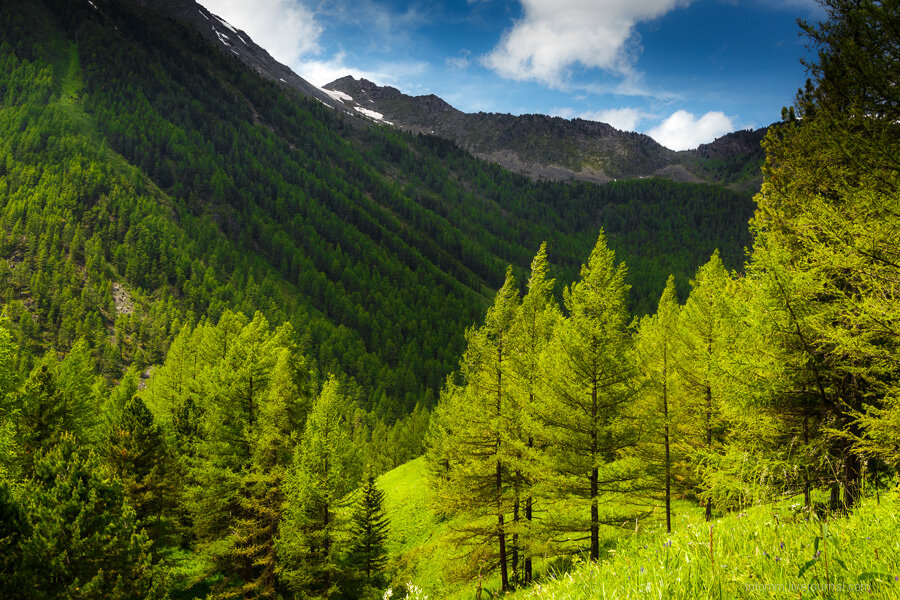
(764, 552)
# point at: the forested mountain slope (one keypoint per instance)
(150, 179)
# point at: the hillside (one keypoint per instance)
(380, 246)
(544, 147)
(762, 546)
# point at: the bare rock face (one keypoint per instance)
(545, 147)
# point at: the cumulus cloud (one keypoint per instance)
(285, 28)
(683, 131)
(556, 34)
(625, 119)
(323, 72)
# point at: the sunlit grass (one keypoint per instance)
(762, 553)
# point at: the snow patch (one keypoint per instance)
(222, 37)
(338, 95)
(204, 14)
(369, 113)
(226, 24)
(94, 6)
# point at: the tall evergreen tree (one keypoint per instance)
(531, 333)
(702, 335)
(825, 232)
(590, 381)
(85, 541)
(324, 470)
(475, 418)
(368, 533)
(655, 343)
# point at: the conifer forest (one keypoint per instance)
(254, 347)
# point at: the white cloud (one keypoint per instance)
(323, 72)
(460, 61)
(556, 34)
(624, 119)
(682, 131)
(285, 28)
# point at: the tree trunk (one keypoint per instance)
(595, 476)
(668, 452)
(515, 537)
(708, 441)
(526, 567)
(501, 533)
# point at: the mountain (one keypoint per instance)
(151, 179)
(235, 41)
(555, 148)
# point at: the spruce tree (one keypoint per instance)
(368, 534)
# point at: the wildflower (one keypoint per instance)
(642, 569)
(782, 545)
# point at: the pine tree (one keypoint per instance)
(590, 382)
(85, 541)
(140, 458)
(368, 534)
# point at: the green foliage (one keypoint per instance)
(83, 541)
(369, 528)
(590, 381)
(324, 470)
(149, 179)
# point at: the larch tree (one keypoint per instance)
(702, 341)
(827, 224)
(655, 342)
(471, 450)
(324, 469)
(589, 380)
(532, 330)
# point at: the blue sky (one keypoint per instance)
(682, 71)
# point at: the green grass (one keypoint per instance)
(419, 541)
(765, 552)
(762, 553)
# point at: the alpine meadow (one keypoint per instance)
(265, 339)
